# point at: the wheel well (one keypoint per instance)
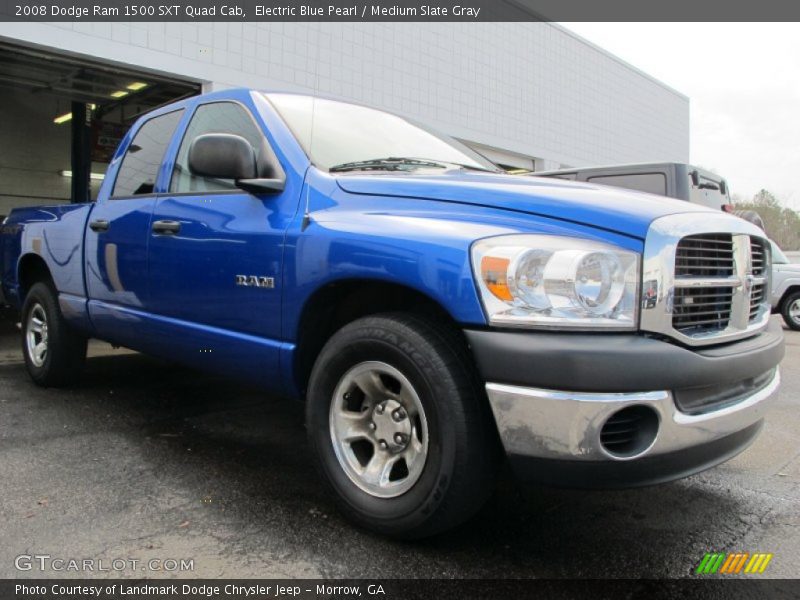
(32, 269)
(789, 291)
(337, 304)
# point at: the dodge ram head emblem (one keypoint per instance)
(255, 281)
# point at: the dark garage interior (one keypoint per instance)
(63, 117)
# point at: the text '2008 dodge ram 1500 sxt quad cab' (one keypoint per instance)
(430, 310)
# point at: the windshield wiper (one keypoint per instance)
(386, 164)
(463, 165)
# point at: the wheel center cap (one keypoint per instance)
(392, 425)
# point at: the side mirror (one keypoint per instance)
(222, 156)
(228, 156)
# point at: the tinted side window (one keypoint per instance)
(652, 183)
(218, 117)
(139, 169)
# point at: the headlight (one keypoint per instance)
(553, 281)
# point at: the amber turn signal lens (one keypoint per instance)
(494, 274)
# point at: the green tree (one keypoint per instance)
(782, 224)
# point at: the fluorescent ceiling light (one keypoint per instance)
(136, 86)
(119, 94)
(68, 116)
(96, 176)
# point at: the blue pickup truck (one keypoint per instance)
(433, 313)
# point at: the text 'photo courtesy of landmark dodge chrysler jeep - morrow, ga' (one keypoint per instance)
(430, 310)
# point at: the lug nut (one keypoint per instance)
(373, 426)
(379, 409)
(383, 445)
(399, 438)
(399, 415)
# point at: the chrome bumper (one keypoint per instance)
(566, 426)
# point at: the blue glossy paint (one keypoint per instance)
(50, 233)
(245, 357)
(116, 260)
(223, 235)
(175, 296)
(614, 209)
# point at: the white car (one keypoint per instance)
(785, 288)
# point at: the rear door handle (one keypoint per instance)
(166, 227)
(99, 225)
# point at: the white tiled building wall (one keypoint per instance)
(533, 89)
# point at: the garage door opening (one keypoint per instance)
(63, 117)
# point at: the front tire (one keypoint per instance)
(400, 426)
(54, 353)
(790, 310)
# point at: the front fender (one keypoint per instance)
(420, 253)
(417, 243)
(781, 285)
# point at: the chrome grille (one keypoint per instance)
(705, 278)
(758, 295)
(700, 309)
(708, 255)
(758, 256)
(706, 282)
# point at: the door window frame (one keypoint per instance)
(112, 195)
(185, 132)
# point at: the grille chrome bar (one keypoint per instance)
(690, 282)
(706, 278)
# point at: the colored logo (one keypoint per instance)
(733, 563)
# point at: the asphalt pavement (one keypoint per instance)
(148, 460)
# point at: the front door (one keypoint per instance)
(215, 255)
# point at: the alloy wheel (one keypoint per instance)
(379, 429)
(37, 335)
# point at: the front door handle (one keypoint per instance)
(166, 227)
(99, 225)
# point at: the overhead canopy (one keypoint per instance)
(52, 157)
(89, 81)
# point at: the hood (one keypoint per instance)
(787, 267)
(621, 211)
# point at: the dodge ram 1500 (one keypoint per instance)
(430, 311)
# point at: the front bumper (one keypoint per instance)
(562, 437)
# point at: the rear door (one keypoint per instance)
(119, 230)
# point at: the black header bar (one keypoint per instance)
(399, 10)
(389, 589)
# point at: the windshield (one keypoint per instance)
(778, 257)
(346, 133)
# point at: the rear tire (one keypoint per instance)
(400, 426)
(790, 310)
(54, 352)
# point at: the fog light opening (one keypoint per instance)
(629, 432)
